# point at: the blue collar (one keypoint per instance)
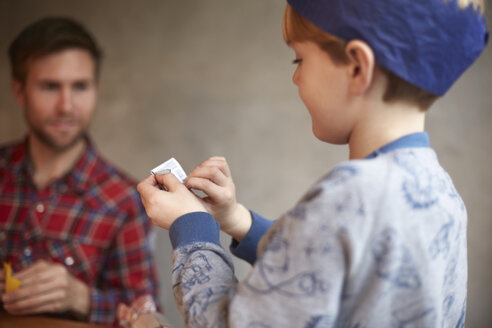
(419, 139)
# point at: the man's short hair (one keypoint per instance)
(47, 36)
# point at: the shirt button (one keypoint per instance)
(69, 261)
(40, 208)
(27, 251)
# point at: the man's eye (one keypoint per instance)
(296, 61)
(49, 86)
(80, 86)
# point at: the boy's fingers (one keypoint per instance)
(214, 159)
(219, 162)
(221, 158)
(209, 188)
(213, 173)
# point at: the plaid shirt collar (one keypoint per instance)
(78, 178)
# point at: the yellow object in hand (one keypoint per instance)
(11, 283)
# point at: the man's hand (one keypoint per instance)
(164, 207)
(47, 288)
(2, 281)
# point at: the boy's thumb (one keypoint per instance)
(168, 180)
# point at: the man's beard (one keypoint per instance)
(51, 142)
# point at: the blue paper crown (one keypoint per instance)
(428, 43)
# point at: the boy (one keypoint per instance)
(380, 241)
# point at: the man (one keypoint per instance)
(71, 225)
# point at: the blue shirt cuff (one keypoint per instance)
(194, 227)
(246, 249)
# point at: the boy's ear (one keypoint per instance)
(361, 67)
(18, 89)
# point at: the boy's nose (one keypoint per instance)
(295, 77)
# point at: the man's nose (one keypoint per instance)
(65, 101)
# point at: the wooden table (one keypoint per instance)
(24, 321)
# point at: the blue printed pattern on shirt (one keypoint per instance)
(375, 243)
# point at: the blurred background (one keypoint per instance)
(191, 79)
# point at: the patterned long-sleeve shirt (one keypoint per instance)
(378, 242)
(91, 220)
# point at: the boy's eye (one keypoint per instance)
(296, 61)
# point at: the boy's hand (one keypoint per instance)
(213, 177)
(47, 288)
(164, 207)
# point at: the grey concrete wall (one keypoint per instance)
(196, 78)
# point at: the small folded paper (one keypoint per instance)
(11, 283)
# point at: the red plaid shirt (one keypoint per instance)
(91, 220)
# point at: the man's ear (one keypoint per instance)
(361, 67)
(18, 89)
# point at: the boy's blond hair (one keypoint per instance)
(297, 29)
(477, 4)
